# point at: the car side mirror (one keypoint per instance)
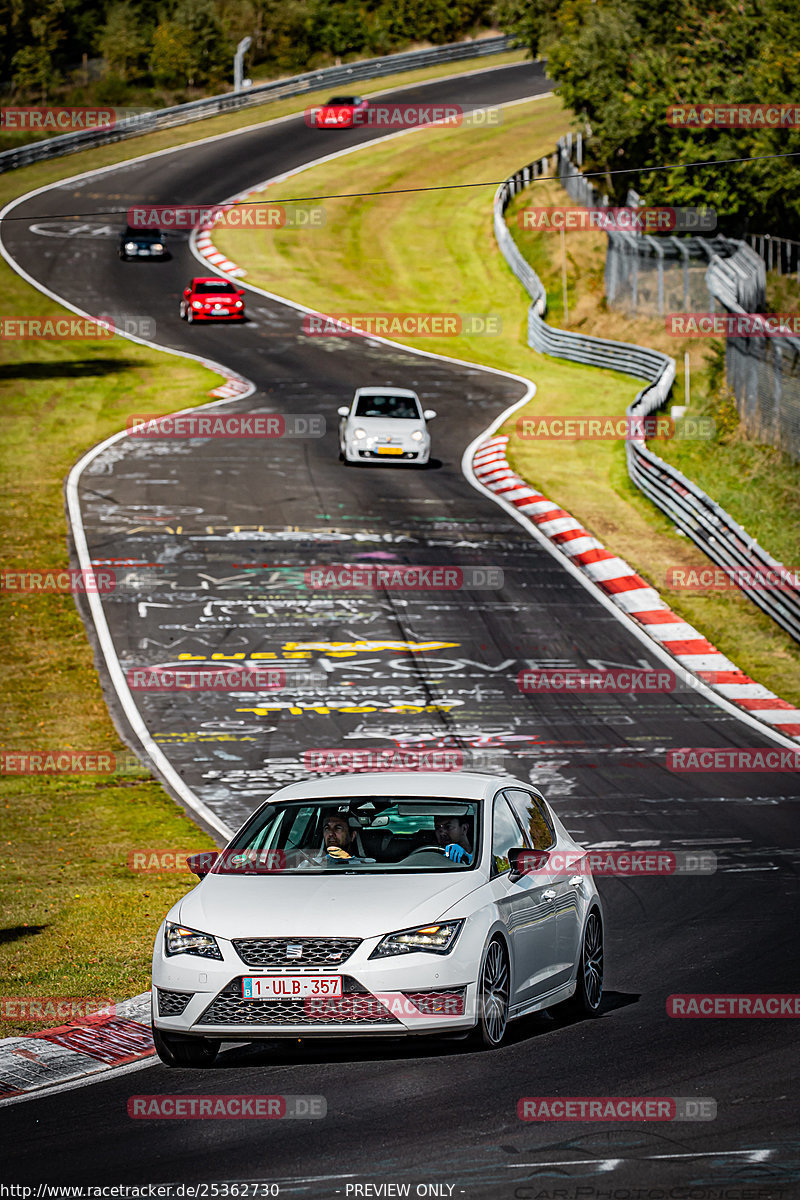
(343, 411)
(240, 294)
(187, 293)
(429, 414)
(200, 864)
(524, 862)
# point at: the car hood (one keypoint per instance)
(324, 905)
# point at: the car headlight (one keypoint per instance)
(239, 304)
(359, 434)
(157, 246)
(197, 304)
(130, 245)
(180, 940)
(431, 939)
(417, 435)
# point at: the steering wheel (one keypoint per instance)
(419, 849)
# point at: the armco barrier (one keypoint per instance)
(692, 511)
(211, 106)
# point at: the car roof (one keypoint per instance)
(384, 391)
(209, 279)
(460, 785)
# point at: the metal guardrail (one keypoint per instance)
(296, 85)
(692, 511)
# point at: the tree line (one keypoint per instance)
(113, 51)
(620, 64)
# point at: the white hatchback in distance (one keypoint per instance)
(385, 425)
(380, 904)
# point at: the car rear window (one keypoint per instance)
(214, 288)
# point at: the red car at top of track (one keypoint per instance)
(340, 112)
(210, 299)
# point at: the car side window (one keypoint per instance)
(506, 834)
(533, 817)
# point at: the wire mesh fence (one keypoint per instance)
(649, 276)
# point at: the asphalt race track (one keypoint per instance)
(225, 530)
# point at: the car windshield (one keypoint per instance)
(143, 235)
(335, 100)
(404, 407)
(214, 287)
(369, 834)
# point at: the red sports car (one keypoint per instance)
(209, 299)
(341, 112)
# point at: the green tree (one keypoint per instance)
(190, 47)
(124, 42)
(620, 64)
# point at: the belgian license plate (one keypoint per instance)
(390, 450)
(290, 987)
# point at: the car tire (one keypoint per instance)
(189, 316)
(174, 1050)
(494, 988)
(588, 996)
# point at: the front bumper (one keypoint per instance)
(204, 314)
(405, 995)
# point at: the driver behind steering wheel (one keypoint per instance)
(452, 834)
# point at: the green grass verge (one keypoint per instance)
(75, 920)
(406, 252)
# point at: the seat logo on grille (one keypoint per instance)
(294, 950)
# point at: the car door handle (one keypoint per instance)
(550, 894)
